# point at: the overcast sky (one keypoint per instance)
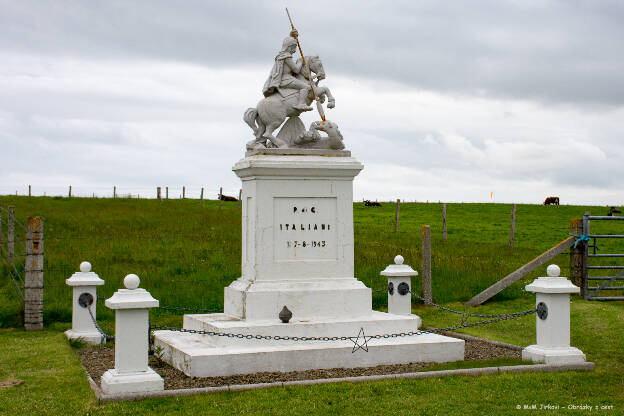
(439, 100)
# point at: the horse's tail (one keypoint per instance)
(251, 118)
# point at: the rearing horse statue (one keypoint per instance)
(271, 111)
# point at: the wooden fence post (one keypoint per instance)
(11, 234)
(69, 194)
(184, 192)
(576, 255)
(220, 196)
(158, 194)
(33, 275)
(396, 219)
(426, 262)
(29, 190)
(201, 197)
(444, 220)
(114, 191)
(166, 192)
(1, 234)
(240, 198)
(513, 226)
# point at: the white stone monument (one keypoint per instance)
(84, 284)
(553, 320)
(131, 373)
(297, 251)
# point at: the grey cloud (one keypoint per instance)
(550, 51)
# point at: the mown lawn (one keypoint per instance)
(55, 384)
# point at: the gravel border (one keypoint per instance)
(97, 361)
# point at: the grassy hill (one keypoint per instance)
(185, 253)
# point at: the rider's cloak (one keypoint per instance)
(277, 73)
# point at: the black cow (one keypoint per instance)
(368, 203)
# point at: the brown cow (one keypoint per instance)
(552, 200)
(227, 198)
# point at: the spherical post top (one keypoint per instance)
(398, 259)
(553, 270)
(85, 267)
(131, 281)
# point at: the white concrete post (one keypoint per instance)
(85, 284)
(553, 320)
(131, 372)
(399, 287)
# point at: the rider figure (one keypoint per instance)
(283, 75)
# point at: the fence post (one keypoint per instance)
(399, 287)
(396, 219)
(33, 275)
(220, 196)
(131, 372)
(240, 198)
(166, 192)
(158, 195)
(114, 191)
(201, 197)
(69, 194)
(184, 192)
(11, 234)
(585, 245)
(1, 234)
(29, 190)
(444, 220)
(576, 254)
(84, 284)
(426, 262)
(552, 323)
(513, 226)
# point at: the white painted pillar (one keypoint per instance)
(553, 320)
(84, 284)
(399, 287)
(131, 372)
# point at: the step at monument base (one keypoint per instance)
(210, 356)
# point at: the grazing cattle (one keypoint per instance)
(552, 200)
(368, 203)
(613, 210)
(227, 198)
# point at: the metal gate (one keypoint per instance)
(591, 292)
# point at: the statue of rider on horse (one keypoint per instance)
(289, 90)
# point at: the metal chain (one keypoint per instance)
(499, 318)
(104, 335)
(465, 314)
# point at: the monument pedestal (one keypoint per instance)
(297, 251)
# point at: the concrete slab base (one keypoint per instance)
(209, 356)
(93, 338)
(113, 382)
(566, 355)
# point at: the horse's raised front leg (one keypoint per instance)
(331, 101)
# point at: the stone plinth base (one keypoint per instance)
(208, 356)
(562, 355)
(93, 338)
(305, 299)
(113, 382)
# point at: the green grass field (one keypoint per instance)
(186, 253)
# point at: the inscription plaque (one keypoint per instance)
(305, 229)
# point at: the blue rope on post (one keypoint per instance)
(580, 239)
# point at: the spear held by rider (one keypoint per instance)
(295, 34)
